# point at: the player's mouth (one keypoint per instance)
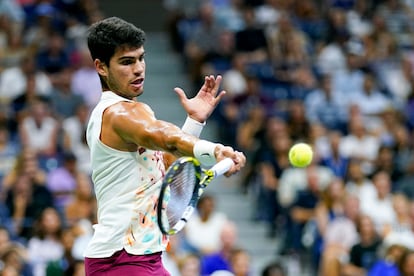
(138, 83)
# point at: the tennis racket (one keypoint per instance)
(182, 187)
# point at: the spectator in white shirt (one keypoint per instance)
(380, 206)
(13, 80)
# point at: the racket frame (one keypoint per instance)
(168, 178)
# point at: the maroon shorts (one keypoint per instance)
(123, 263)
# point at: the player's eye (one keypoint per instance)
(127, 62)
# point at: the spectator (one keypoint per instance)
(379, 206)
(45, 245)
(83, 205)
(407, 263)
(357, 183)
(66, 264)
(219, 60)
(74, 138)
(201, 40)
(287, 47)
(386, 162)
(273, 269)
(8, 153)
(402, 225)
(330, 206)
(235, 78)
(21, 104)
(25, 202)
(326, 106)
(26, 164)
(13, 81)
(189, 265)
(297, 123)
(360, 144)
(339, 237)
(251, 130)
(61, 182)
(338, 163)
(370, 101)
(207, 223)
(85, 82)
(240, 262)
(300, 212)
(364, 253)
(294, 180)
(39, 130)
(64, 102)
(40, 25)
(53, 58)
(351, 79)
(15, 262)
(269, 166)
(403, 160)
(229, 14)
(220, 260)
(13, 50)
(388, 264)
(251, 40)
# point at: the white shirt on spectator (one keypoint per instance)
(204, 235)
(293, 180)
(381, 211)
(39, 137)
(363, 191)
(13, 84)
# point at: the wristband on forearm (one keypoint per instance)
(204, 152)
(193, 127)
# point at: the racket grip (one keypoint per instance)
(222, 167)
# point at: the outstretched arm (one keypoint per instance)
(127, 124)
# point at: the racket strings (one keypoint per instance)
(180, 191)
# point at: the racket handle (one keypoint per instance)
(222, 167)
(184, 218)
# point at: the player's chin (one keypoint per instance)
(137, 91)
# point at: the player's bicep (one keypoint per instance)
(139, 126)
(134, 125)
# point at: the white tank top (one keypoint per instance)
(127, 186)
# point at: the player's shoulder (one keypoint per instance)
(128, 108)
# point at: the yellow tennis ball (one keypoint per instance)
(300, 155)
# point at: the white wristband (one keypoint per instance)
(193, 127)
(204, 152)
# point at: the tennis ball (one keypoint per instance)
(300, 155)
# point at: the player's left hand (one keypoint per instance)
(203, 104)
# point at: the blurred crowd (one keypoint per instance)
(48, 86)
(339, 75)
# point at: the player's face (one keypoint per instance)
(126, 72)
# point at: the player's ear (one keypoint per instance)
(101, 67)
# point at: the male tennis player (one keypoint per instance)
(130, 150)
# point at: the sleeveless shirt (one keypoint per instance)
(127, 186)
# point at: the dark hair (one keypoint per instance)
(107, 35)
(274, 268)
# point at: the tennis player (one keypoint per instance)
(131, 149)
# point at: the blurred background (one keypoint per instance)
(337, 74)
